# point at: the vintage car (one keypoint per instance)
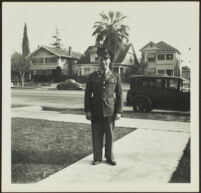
(69, 84)
(149, 92)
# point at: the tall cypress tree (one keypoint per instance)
(25, 42)
(24, 67)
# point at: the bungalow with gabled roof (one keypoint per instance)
(44, 61)
(123, 64)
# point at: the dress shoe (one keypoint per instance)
(111, 162)
(96, 162)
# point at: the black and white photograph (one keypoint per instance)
(100, 96)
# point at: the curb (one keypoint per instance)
(49, 108)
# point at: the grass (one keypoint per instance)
(130, 114)
(182, 173)
(158, 116)
(41, 148)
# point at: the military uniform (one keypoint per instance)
(103, 98)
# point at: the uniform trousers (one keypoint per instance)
(103, 126)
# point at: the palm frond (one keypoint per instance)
(122, 18)
(118, 14)
(111, 15)
(97, 30)
(104, 16)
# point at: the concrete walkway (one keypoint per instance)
(150, 154)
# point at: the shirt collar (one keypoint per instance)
(107, 72)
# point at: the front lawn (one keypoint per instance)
(182, 173)
(41, 148)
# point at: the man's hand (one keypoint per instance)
(118, 116)
(88, 115)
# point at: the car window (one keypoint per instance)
(158, 83)
(171, 84)
(152, 83)
(146, 83)
(138, 83)
(155, 83)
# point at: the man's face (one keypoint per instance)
(104, 63)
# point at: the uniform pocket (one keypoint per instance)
(111, 100)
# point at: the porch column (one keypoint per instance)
(119, 70)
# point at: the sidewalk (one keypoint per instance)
(150, 154)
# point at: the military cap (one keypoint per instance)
(105, 53)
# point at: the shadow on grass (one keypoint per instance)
(41, 148)
(47, 157)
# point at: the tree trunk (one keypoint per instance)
(22, 79)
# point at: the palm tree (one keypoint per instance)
(111, 32)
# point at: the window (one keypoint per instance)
(155, 83)
(169, 56)
(158, 83)
(151, 59)
(52, 60)
(86, 71)
(115, 69)
(152, 83)
(169, 72)
(161, 71)
(96, 58)
(138, 83)
(152, 70)
(161, 56)
(37, 60)
(171, 84)
(147, 83)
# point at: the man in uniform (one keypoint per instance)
(103, 105)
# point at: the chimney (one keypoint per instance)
(70, 51)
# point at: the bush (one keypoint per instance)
(82, 79)
(42, 78)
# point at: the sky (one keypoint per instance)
(175, 23)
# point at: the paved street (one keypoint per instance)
(71, 99)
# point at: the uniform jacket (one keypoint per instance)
(103, 95)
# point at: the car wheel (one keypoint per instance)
(59, 87)
(141, 105)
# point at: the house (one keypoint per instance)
(123, 63)
(160, 58)
(45, 60)
(185, 72)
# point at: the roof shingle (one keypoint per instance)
(63, 52)
(162, 46)
(166, 47)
